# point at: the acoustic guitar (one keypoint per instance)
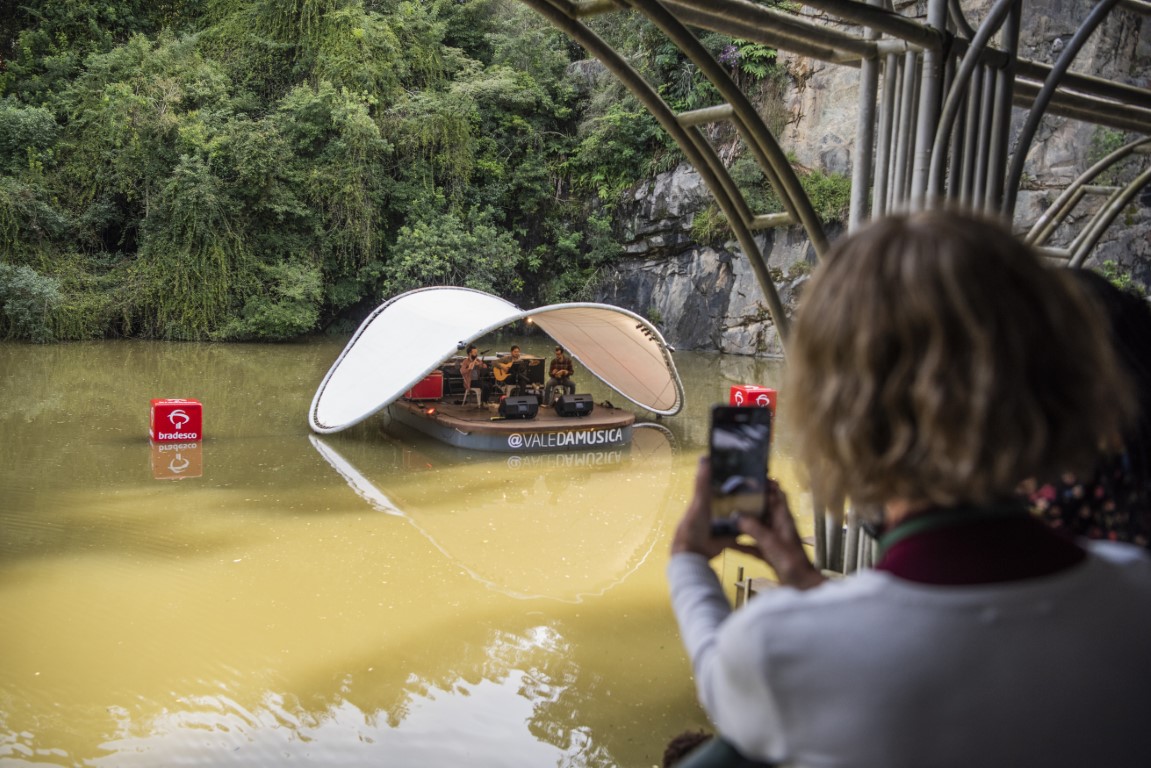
(501, 371)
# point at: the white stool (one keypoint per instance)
(479, 395)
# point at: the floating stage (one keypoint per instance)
(481, 428)
(404, 360)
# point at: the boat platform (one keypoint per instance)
(481, 428)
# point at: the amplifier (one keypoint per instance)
(430, 388)
(574, 405)
(519, 407)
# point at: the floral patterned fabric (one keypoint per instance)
(1109, 505)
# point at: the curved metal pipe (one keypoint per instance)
(772, 159)
(704, 163)
(1027, 134)
(1050, 219)
(959, 19)
(1090, 237)
(989, 27)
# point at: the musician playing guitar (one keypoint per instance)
(502, 369)
(560, 372)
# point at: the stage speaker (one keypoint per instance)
(519, 407)
(574, 405)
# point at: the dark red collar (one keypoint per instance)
(975, 546)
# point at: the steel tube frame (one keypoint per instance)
(1089, 237)
(1055, 214)
(698, 152)
(1043, 99)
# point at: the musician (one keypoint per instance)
(509, 371)
(470, 368)
(560, 372)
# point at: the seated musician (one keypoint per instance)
(508, 371)
(470, 368)
(560, 372)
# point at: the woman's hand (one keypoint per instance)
(777, 542)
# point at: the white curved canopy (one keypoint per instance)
(409, 336)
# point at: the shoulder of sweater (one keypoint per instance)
(1117, 551)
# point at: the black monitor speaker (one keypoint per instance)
(574, 405)
(520, 407)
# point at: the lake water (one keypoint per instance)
(366, 598)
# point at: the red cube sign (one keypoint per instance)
(176, 420)
(753, 395)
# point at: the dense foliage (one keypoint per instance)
(260, 169)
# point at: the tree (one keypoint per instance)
(442, 248)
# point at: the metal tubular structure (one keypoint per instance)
(1066, 57)
(1103, 219)
(935, 109)
(931, 88)
(1001, 111)
(989, 91)
(935, 122)
(883, 148)
(904, 135)
(694, 146)
(1058, 211)
(772, 160)
(864, 134)
(963, 76)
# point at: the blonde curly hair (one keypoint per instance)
(935, 358)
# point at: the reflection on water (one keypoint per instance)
(585, 534)
(266, 595)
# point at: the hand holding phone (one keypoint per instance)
(739, 443)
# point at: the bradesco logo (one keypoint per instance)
(761, 399)
(545, 440)
(178, 419)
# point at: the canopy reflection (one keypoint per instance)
(525, 526)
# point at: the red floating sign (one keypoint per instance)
(176, 420)
(753, 395)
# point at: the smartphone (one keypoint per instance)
(738, 444)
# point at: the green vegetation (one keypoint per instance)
(830, 195)
(1104, 141)
(256, 170)
(1120, 277)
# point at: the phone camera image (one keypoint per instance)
(739, 442)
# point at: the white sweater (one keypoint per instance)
(874, 670)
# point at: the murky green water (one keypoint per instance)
(360, 599)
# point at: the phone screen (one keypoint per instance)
(739, 442)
